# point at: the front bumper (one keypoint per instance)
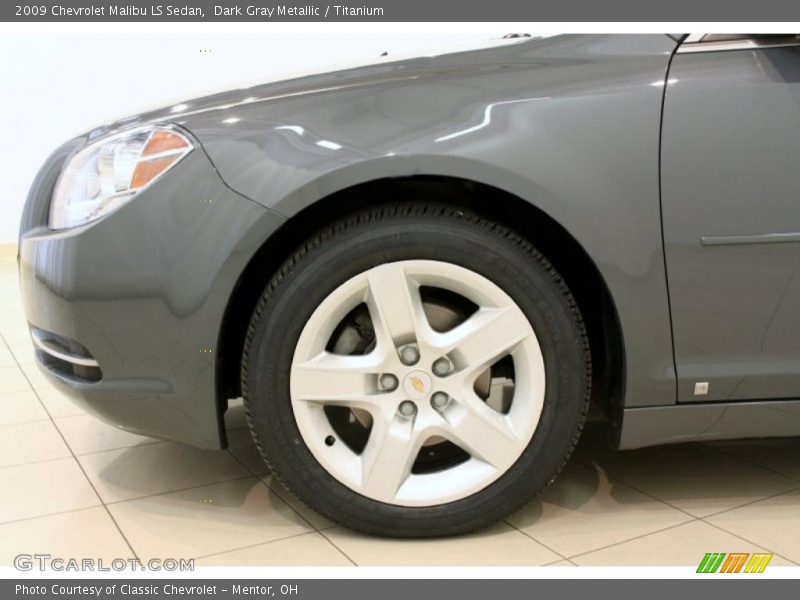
(141, 292)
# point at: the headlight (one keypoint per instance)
(108, 173)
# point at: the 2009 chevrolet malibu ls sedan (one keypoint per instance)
(419, 274)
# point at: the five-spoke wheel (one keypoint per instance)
(416, 370)
(418, 385)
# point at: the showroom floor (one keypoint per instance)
(74, 487)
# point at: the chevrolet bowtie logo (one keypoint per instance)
(417, 384)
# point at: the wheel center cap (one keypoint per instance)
(417, 384)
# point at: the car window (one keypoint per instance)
(710, 42)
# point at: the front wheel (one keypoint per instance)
(416, 371)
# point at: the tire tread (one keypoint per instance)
(400, 210)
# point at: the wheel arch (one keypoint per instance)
(306, 216)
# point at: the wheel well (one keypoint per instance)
(566, 254)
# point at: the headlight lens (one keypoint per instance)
(108, 173)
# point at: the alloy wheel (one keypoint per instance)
(419, 410)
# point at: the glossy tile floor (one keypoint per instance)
(72, 486)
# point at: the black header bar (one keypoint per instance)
(724, 11)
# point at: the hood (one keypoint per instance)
(365, 73)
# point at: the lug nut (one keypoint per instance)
(441, 367)
(439, 400)
(388, 382)
(409, 355)
(407, 408)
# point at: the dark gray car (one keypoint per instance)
(419, 274)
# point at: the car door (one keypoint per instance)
(731, 216)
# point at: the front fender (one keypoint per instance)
(571, 126)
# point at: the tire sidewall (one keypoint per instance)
(347, 250)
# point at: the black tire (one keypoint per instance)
(400, 232)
